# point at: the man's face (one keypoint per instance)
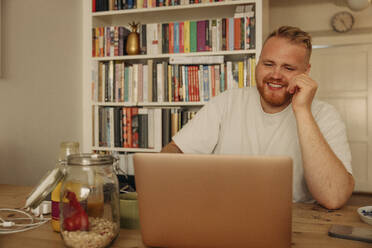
(279, 62)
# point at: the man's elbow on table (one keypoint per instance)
(340, 198)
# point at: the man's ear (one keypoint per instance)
(307, 72)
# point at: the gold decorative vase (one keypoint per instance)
(132, 46)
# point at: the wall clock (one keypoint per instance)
(342, 22)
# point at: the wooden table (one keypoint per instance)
(310, 225)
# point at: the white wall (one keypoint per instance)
(314, 16)
(40, 86)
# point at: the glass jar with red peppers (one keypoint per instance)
(89, 208)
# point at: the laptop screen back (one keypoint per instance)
(214, 200)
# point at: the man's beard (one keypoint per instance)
(273, 98)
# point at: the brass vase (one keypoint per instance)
(132, 46)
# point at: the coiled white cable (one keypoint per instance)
(11, 226)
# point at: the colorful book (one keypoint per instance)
(176, 37)
(200, 36)
(193, 36)
(181, 37)
(186, 28)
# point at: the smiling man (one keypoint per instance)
(280, 117)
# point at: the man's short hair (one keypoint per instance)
(295, 35)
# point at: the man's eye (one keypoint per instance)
(268, 64)
(289, 68)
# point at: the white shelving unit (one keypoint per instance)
(201, 11)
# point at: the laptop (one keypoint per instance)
(188, 200)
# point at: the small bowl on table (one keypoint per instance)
(365, 214)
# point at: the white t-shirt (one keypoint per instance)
(235, 123)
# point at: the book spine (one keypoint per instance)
(252, 42)
(211, 71)
(171, 37)
(116, 41)
(145, 77)
(236, 33)
(140, 83)
(117, 81)
(193, 36)
(143, 38)
(151, 128)
(159, 82)
(241, 74)
(135, 127)
(217, 79)
(165, 77)
(176, 38)
(206, 90)
(150, 64)
(169, 83)
(93, 5)
(166, 120)
(181, 37)
(165, 36)
(223, 35)
(186, 81)
(112, 127)
(200, 36)
(214, 32)
(186, 36)
(207, 46)
(231, 34)
(126, 84)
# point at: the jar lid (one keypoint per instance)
(90, 159)
(44, 187)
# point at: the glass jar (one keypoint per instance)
(89, 207)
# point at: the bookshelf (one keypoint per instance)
(165, 14)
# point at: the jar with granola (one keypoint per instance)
(89, 208)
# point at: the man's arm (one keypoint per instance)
(171, 148)
(327, 179)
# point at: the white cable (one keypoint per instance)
(20, 227)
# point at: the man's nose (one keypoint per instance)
(276, 73)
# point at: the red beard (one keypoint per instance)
(276, 98)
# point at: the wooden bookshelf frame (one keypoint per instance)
(149, 15)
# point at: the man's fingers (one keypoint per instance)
(300, 81)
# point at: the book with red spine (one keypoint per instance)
(213, 80)
(189, 83)
(237, 33)
(197, 82)
(171, 37)
(93, 5)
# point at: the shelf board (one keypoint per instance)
(168, 55)
(124, 104)
(148, 104)
(167, 104)
(119, 149)
(170, 8)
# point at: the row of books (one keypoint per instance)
(115, 81)
(133, 127)
(109, 41)
(128, 127)
(109, 5)
(225, 34)
(173, 119)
